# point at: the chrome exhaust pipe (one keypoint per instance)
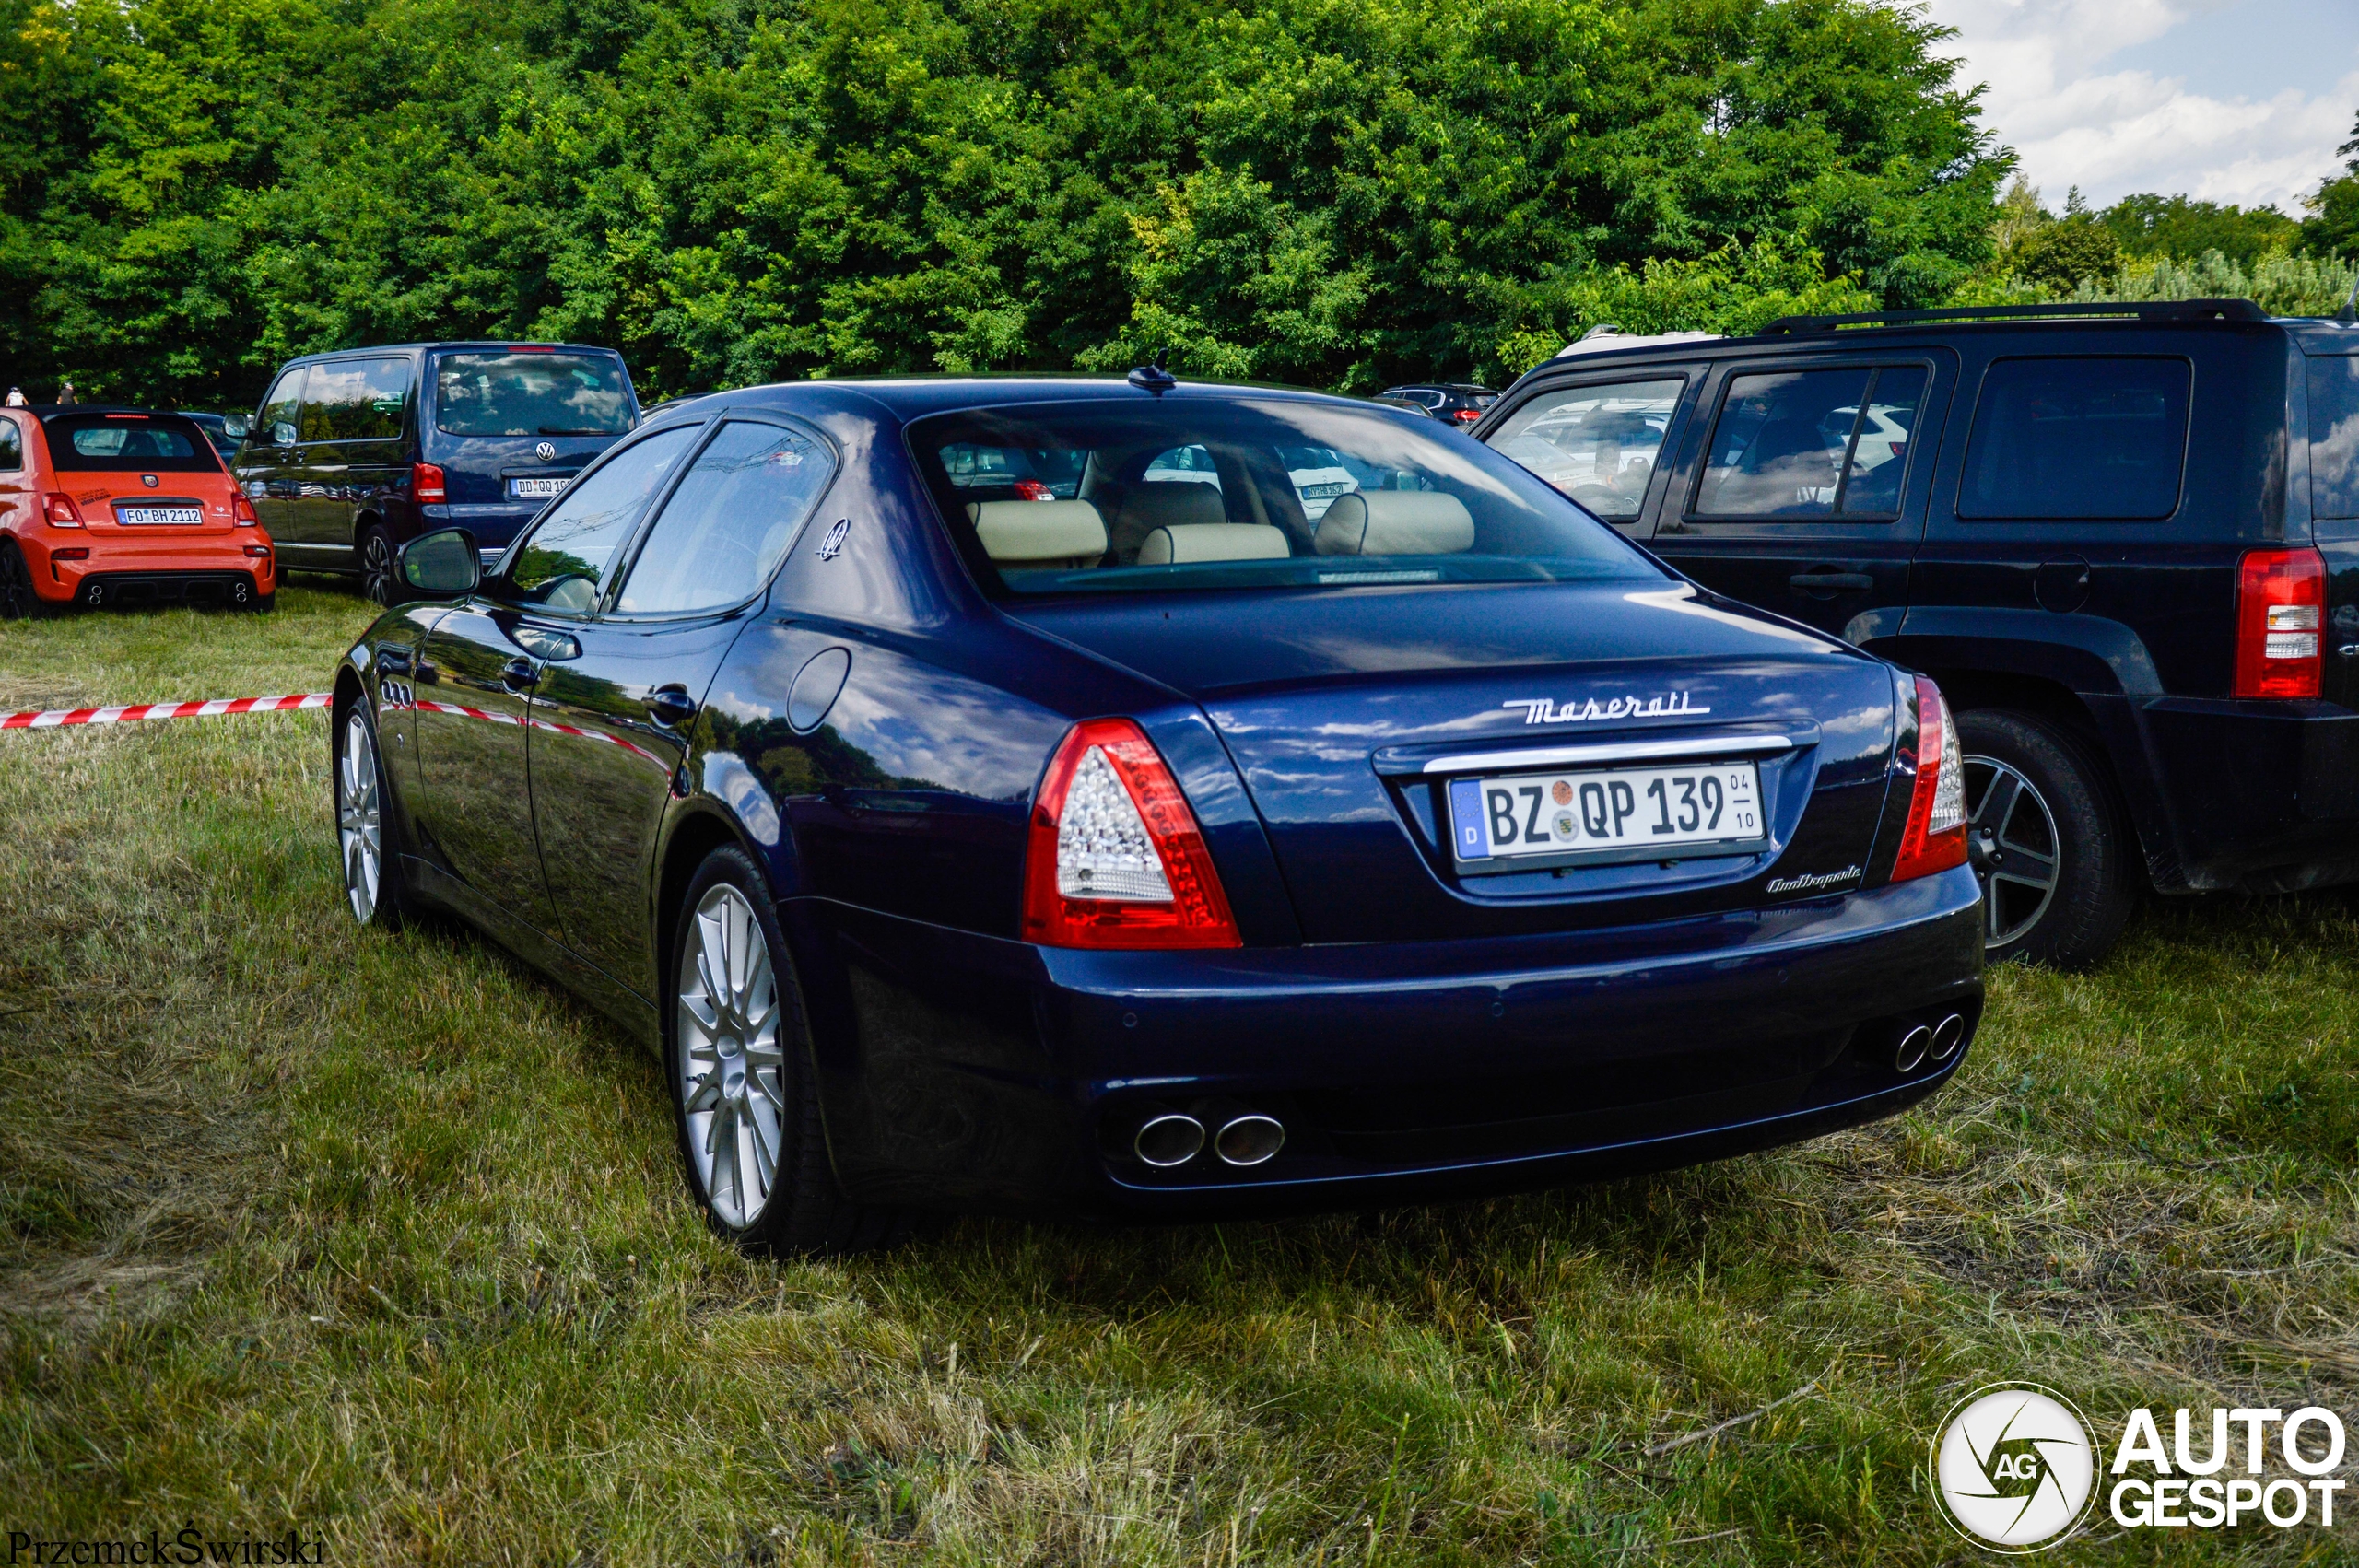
(1948, 1035)
(1249, 1140)
(1912, 1048)
(1168, 1139)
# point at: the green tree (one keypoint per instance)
(2332, 227)
(2179, 226)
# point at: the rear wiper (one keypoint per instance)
(560, 431)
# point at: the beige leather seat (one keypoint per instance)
(1163, 503)
(1395, 522)
(1214, 542)
(1040, 535)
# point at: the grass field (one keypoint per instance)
(382, 1240)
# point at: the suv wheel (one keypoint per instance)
(2045, 840)
(747, 1111)
(380, 566)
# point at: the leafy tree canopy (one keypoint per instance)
(1333, 191)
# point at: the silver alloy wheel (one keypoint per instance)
(378, 567)
(2012, 843)
(730, 1062)
(359, 825)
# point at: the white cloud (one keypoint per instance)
(2183, 127)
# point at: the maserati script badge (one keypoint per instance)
(1544, 710)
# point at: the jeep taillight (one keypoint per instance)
(2281, 621)
(1116, 859)
(1934, 839)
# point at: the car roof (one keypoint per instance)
(913, 397)
(46, 411)
(490, 343)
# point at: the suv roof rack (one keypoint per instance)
(2145, 310)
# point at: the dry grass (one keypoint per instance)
(380, 1238)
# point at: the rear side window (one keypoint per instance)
(106, 443)
(531, 394)
(12, 447)
(729, 522)
(563, 561)
(2077, 439)
(2334, 436)
(1798, 444)
(356, 399)
(1599, 445)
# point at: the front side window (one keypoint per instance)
(1796, 444)
(729, 522)
(356, 399)
(278, 410)
(563, 561)
(529, 393)
(1599, 445)
(2334, 436)
(1243, 492)
(2072, 439)
(107, 443)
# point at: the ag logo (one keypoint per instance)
(2014, 1467)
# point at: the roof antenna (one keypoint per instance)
(2350, 312)
(1152, 376)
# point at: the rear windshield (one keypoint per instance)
(2334, 435)
(524, 394)
(2092, 437)
(108, 443)
(1108, 497)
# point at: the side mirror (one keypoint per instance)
(442, 565)
(237, 426)
(282, 434)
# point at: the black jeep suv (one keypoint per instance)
(2124, 540)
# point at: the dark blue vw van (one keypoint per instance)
(355, 452)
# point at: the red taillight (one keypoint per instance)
(426, 486)
(260, 552)
(1116, 859)
(1467, 416)
(76, 553)
(2281, 617)
(1934, 839)
(243, 511)
(1033, 490)
(60, 511)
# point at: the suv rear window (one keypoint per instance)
(129, 443)
(1199, 492)
(529, 393)
(2092, 437)
(2334, 436)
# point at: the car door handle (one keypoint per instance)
(1831, 582)
(671, 705)
(519, 675)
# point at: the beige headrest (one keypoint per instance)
(1395, 522)
(1039, 533)
(1214, 542)
(1173, 503)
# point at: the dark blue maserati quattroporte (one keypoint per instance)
(1157, 800)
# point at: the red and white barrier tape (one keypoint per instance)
(58, 718)
(422, 705)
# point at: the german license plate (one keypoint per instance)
(1628, 808)
(144, 517)
(535, 489)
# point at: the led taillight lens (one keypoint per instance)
(60, 511)
(1934, 839)
(1467, 416)
(1033, 490)
(243, 511)
(2281, 620)
(426, 486)
(1116, 859)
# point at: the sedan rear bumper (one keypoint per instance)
(966, 1071)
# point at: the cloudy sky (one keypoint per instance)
(2233, 100)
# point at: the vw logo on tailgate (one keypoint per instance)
(546, 451)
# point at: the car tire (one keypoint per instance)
(738, 1055)
(380, 568)
(366, 840)
(2045, 839)
(262, 604)
(18, 600)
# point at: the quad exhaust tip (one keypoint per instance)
(1169, 1138)
(1920, 1044)
(1913, 1046)
(1249, 1140)
(1947, 1035)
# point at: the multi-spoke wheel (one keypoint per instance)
(370, 877)
(729, 1058)
(18, 600)
(2045, 838)
(380, 567)
(748, 1116)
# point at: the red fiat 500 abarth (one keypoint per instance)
(118, 506)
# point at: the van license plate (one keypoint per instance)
(1629, 808)
(534, 490)
(144, 517)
